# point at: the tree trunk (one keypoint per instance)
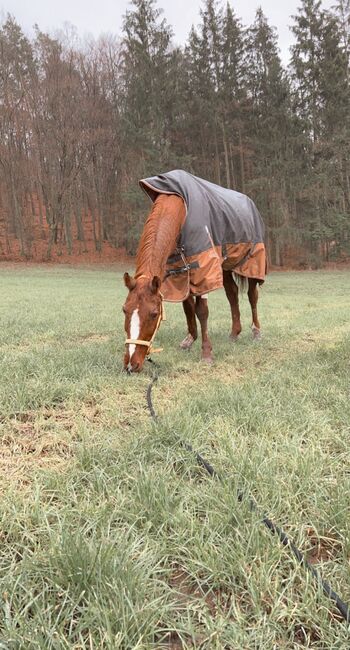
(227, 160)
(217, 160)
(241, 159)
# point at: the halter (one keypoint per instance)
(148, 344)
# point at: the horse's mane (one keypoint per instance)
(159, 235)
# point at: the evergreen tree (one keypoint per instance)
(146, 56)
(342, 13)
(233, 99)
(270, 132)
(215, 55)
(307, 56)
(320, 75)
(146, 65)
(201, 87)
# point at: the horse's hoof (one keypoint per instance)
(233, 338)
(208, 360)
(187, 343)
(256, 334)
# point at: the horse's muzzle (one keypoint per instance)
(133, 367)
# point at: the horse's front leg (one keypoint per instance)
(189, 308)
(253, 295)
(202, 313)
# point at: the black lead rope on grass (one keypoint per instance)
(343, 608)
(149, 397)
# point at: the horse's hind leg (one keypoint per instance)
(231, 290)
(202, 313)
(253, 295)
(189, 308)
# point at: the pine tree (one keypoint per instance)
(270, 132)
(342, 13)
(342, 16)
(147, 86)
(200, 100)
(233, 99)
(146, 57)
(320, 76)
(215, 54)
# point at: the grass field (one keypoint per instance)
(111, 535)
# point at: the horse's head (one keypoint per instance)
(143, 313)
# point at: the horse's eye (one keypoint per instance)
(154, 314)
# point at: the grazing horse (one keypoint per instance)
(198, 237)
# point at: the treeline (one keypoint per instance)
(81, 124)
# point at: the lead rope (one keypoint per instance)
(342, 607)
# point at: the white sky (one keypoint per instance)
(101, 16)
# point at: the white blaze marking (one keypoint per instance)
(134, 331)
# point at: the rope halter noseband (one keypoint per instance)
(149, 344)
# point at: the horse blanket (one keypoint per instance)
(222, 230)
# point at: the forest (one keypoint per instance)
(82, 121)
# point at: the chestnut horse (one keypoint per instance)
(143, 307)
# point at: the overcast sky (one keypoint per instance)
(100, 16)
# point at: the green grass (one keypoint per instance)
(111, 535)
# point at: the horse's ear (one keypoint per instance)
(156, 282)
(129, 282)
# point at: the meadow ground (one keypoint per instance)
(111, 535)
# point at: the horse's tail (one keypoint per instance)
(241, 281)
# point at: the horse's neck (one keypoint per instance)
(159, 235)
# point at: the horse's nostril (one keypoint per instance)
(135, 367)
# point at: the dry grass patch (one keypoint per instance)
(44, 439)
(322, 548)
(35, 440)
